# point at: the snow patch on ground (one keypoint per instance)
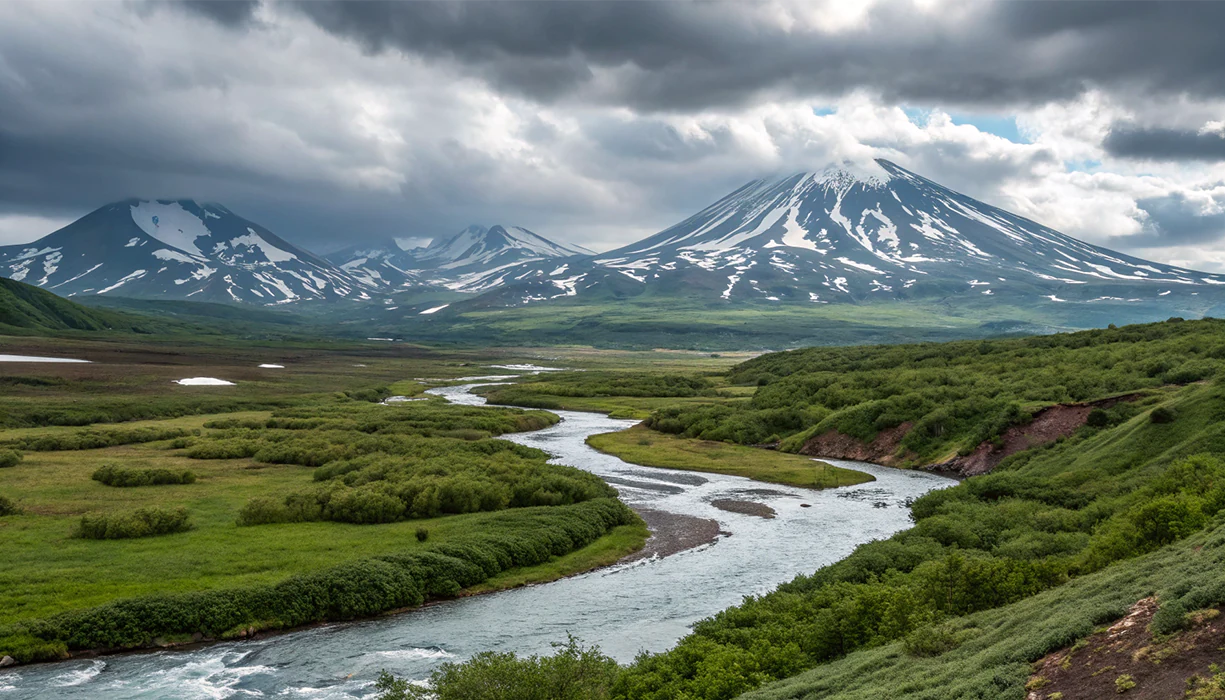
(203, 381)
(35, 358)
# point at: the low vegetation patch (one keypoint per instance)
(144, 522)
(113, 475)
(653, 449)
(9, 458)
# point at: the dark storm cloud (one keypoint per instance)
(229, 13)
(1164, 144)
(686, 55)
(1174, 221)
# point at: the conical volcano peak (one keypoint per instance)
(872, 174)
(860, 234)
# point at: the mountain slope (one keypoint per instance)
(29, 308)
(832, 237)
(475, 252)
(176, 250)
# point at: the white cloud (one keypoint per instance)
(19, 228)
(295, 127)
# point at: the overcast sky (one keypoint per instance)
(599, 123)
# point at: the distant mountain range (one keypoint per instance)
(801, 243)
(451, 261)
(187, 250)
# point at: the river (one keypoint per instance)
(646, 605)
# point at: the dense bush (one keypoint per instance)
(9, 458)
(144, 522)
(112, 475)
(8, 507)
(357, 589)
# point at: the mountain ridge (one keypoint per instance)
(176, 249)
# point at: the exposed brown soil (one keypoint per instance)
(1048, 425)
(1124, 661)
(672, 533)
(835, 445)
(761, 510)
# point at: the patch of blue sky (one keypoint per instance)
(998, 124)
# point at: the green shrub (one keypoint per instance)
(8, 507)
(422, 534)
(930, 640)
(145, 522)
(113, 475)
(1161, 415)
(9, 458)
(1097, 418)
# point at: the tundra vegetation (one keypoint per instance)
(136, 510)
(998, 570)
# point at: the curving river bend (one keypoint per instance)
(646, 605)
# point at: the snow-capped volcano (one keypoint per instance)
(834, 237)
(176, 250)
(475, 251)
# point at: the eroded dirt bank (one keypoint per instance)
(1047, 425)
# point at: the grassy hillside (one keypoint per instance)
(951, 397)
(25, 308)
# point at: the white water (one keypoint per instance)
(646, 605)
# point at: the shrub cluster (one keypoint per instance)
(383, 487)
(144, 522)
(79, 409)
(574, 672)
(94, 439)
(357, 589)
(9, 458)
(112, 475)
